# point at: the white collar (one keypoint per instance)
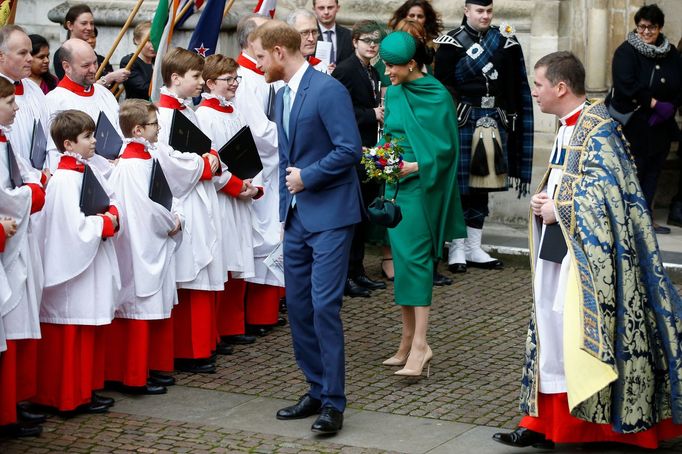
(325, 29)
(571, 113)
(223, 102)
(295, 80)
(186, 102)
(141, 140)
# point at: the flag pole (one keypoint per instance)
(228, 7)
(119, 90)
(122, 32)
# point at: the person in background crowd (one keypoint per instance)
(137, 85)
(482, 65)
(305, 23)
(420, 114)
(647, 82)
(329, 30)
(361, 79)
(80, 23)
(421, 11)
(40, 66)
(603, 358)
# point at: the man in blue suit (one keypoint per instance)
(320, 201)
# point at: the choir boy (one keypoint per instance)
(140, 335)
(21, 195)
(82, 281)
(199, 265)
(220, 120)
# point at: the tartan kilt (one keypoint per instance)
(466, 135)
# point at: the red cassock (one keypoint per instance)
(558, 425)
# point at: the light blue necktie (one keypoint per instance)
(286, 110)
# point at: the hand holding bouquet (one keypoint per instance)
(383, 162)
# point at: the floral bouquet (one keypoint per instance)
(383, 162)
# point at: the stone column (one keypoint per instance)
(596, 53)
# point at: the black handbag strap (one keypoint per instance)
(397, 187)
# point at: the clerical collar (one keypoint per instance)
(73, 87)
(571, 118)
(216, 102)
(68, 162)
(245, 61)
(135, 150)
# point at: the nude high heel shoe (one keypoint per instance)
(396, 360)
(426, 361)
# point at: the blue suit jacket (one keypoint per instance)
(324, 143)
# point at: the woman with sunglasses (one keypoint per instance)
(647, 82)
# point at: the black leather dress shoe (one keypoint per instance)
(457, 268)
(661, 229)
(355, 291)
(440, 280)
(364, 281)
(92, 408)
(239, 339)
(101, 400)
(522, 437)
(160, 379)
(19, 430)
(330, 421)
(491, 265)
(24, 414)
(258, 330)
(149, 389)
(195, 366)
(223, 348)
(306, 406)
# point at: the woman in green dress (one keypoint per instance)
(420, 113)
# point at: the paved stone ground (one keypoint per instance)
(477, 333)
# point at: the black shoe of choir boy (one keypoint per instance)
(24, 414)
(239, 339)
(258, 330)
(223, 348)
(20, 430)
(522, 437)
(195, 366)
(150, 388)
(101, 400)
(160, 379)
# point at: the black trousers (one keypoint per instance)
(370, 190)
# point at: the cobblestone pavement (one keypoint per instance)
(477, 333)
(119, 433)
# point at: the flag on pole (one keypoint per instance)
(163, 20)
(266, 8)
(193, 9)
(7, 11)
(205, 36)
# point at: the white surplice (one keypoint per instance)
(550, 281)
(250, 100)
(98, 99)
(236, 216)
(199, 261)
(82, 281)
(145, 251)
(21, 259)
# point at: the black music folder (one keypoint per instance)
(109, 142)
(14, 172)
(159, 191)
(185, 136)
(38, 146)
(94, 199)
(241, 155)
(553, 247)
(270, 107)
